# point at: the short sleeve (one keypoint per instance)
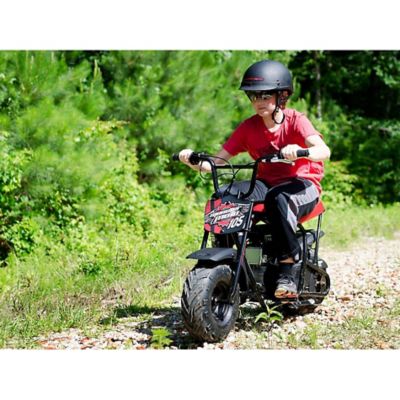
(304, 127)
(237, 141)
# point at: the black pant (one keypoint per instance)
(285, 204)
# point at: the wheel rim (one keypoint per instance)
(220, 306)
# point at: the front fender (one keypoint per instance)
(214, 254)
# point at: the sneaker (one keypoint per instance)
(287, 288)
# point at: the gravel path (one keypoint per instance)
(364, 298)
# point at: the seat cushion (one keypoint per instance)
(318, 209)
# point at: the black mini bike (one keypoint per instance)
(240, 265)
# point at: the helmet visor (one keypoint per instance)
(254, 95)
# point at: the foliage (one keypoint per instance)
(178, 99)
(13, 200)
(340, 189)
(160, 338)
(358, 95)
(270, 316)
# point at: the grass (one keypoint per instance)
(345, 226)
(46, 293)
(366, 329)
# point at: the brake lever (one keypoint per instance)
(277, 159)
(284, 161)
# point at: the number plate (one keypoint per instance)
(226, 215)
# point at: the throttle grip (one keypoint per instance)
(303, 153)
(194, 158)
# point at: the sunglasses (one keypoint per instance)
(259, 95)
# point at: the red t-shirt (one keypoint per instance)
(254, 137)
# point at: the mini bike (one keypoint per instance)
(236, 261)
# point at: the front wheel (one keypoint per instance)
(206, 311)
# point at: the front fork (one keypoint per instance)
(242, 264)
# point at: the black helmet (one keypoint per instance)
(267, 75)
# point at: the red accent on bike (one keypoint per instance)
(217, 229)
(208, 207)
(318, 209)
(259, 208)
(211, 205)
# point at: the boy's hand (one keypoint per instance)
(184, 156)
(289, 152)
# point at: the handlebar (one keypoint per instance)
(195, 158)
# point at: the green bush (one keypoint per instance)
(339, 186)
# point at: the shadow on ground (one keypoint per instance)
(146, 319)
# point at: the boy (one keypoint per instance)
(290, 191)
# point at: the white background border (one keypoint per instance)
(173, 24)
(205, 24)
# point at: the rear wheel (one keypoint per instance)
(206, 311)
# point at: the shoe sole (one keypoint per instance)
(285, 294)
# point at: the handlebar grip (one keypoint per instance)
(194, 158)
(303, 153)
